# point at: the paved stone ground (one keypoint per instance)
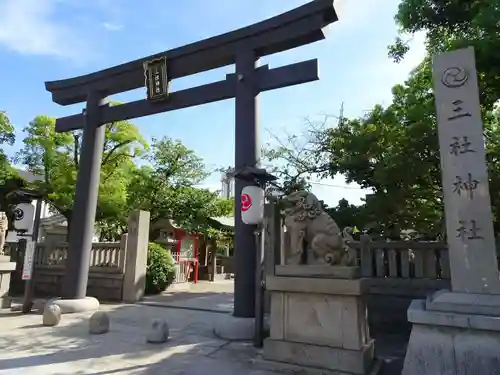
(192, 313)
(27, 347)
(204, 296)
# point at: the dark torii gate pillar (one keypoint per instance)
(243, 48)
(84, 209)
(247, 153)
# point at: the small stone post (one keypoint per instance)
(136, 257)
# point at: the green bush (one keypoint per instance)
(161, 269)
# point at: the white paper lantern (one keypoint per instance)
(24, 216)
(252, 205)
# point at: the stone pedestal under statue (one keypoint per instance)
(318, 320)
(6, 267)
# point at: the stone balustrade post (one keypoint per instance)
(123, 250)
(136, 255)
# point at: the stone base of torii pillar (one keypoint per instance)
(77, 305)
(454, 333)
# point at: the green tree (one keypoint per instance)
(348, 215)
(296, 158)
(10, 181)
(56, 156)
(7, 137)
(167, 187)
(394, 151)
(451, 24)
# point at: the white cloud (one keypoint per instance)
(213, 187)
(332, 190)
(28, 27)
(354, 13)
(383, 73)
(399, 71)
(112, 26)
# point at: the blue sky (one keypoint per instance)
(44, 40)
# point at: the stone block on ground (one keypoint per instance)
(51, 315)
(99, 323)
(158, 332)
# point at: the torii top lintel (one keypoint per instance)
(300, 26)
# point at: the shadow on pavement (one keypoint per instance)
(207, 301)
(29, 347)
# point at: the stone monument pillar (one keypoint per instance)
(318, 319)
(458, 331)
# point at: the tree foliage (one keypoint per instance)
(348, 215)
(160, 272)
(165, 184)
(451, 24)
(294, 158)
(7, 137)
(55, 158)
(10, 181)
(394, 151)
(166, 187)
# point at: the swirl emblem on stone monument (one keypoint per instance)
(454, 77)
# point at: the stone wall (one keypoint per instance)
(388, 301)
(227, 264)
(104, 284)
(117, 270)
(106, 271)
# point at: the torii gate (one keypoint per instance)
(242, 47)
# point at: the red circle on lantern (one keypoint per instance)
(246, 202)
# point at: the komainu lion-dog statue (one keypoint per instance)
(314, 237)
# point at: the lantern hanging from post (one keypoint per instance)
(24, 217)
(252, 205)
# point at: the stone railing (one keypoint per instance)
(117, 270)
(399, 271)
(106, 269)
(403, 259)
(104, 256)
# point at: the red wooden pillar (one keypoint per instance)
(196, 260)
